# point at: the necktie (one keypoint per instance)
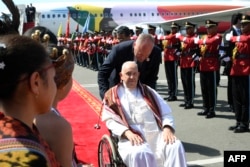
(238, 31)
(139, 64)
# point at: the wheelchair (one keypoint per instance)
(108, 155)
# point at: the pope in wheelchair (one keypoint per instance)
(142, 120)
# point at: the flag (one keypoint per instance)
(67, 27)
(59, 32)
(73, 35)
(86, 25)
(77, 27)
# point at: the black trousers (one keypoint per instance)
(240, 91)
(188, 83)
(208, 89)
(171, 75)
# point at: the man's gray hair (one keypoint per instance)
(145, 38)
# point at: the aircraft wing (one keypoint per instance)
(199, 20)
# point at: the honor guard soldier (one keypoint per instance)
(172, 47)
(189, 53)
(138, 31)
(240, 73)
(152, 31)
(76, 43)
(227, 57)
(209, 65)
(91, 50)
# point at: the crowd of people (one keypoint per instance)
(128, 66)
(90, 49)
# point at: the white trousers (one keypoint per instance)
(167, 155)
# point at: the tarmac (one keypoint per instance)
(204, 140)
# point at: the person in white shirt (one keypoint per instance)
(143, 122)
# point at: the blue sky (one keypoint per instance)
(37, 3)
(26, 2)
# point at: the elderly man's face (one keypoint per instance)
(130, 76)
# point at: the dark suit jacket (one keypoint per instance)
(108, 74)
(228, 47)
(228, 44)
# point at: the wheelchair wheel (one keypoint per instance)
(106, 152)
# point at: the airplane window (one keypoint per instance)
(157, 14)
(64, 15)
(131, 14)
(48, 16)
(95, 15)
(161, 14)
(153, 14)
(111, 15)
(121, 14)
(135, 14)
(139, 14)
(167, 13)
(101, 15)
(144, 14)
(53, 16)
(73, 15)
(43, 16)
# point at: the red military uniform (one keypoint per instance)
(209, 60)
(209, 65)
(241, 56)
(172, 46)
(189, 51)
(240, 73)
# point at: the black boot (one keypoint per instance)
(234, 127)
(203, 112)
(243, 127)
(211, 113)
(188, 106)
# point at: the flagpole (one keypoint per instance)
(59, 32)
(67, 26)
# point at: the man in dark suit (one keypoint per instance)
(123, 33)
(143, 51)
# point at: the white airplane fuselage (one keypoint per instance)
(104, 18)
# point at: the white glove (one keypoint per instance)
(159, 37)
(178, 53)
(196, 40)
(195, 57)
(177, 35)
(226, 59)
(229, 35)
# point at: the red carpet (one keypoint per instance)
(82, 109)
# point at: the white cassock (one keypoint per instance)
(154, 152)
